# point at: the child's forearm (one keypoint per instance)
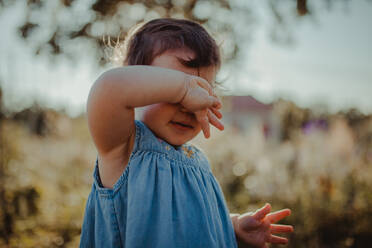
(141, 85)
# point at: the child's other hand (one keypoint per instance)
(257, 229)
(200, 99)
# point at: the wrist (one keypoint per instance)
(235, 220)
(185, 87)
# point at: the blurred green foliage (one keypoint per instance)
(45, 174)
(322, 172)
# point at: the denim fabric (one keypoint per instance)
(166, 197)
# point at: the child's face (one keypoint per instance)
(162, 118)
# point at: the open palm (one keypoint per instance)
(257, 229)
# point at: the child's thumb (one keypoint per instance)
(262, 212)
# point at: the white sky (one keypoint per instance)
(330, 65)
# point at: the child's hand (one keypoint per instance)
(200, 99)
(257, 229)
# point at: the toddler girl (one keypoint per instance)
(151, 188)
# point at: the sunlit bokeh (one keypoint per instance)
(296, 82)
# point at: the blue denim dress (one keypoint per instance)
(166, 197)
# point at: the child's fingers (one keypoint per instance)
(214, 121)
(220, 103)
(214, 102)
(216, 112)
(202, 118)
(201, 82)
(277, 240)
(278, 215)
(262, 212)
(206, 130)
(200, 102)
(281, 228)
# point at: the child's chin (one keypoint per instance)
(176, 142)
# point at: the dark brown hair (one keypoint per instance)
(146, 41)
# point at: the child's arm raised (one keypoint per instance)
(115, 94)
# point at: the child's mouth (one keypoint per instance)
(181, 126)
